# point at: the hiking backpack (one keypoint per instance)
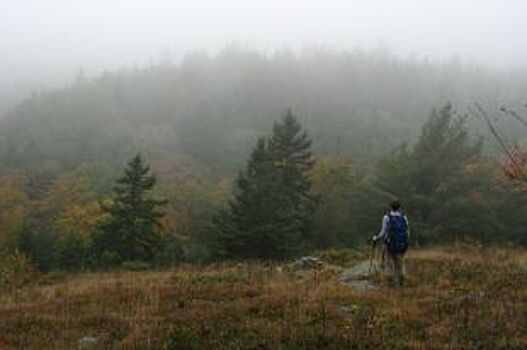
(397, 235)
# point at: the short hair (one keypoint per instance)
(395, 205)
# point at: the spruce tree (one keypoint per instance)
(290, 150)
(436, 177)
(269, 215)
(132, 230)
(246, 228)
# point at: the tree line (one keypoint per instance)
(210, 109)
(285, 201)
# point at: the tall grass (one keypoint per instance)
(454, 298)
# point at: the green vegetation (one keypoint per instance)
(132, 229)
(450, 190)
(196, 124)
(284, 203)
(15, 271)
(210, 109)
(62, 216)
(270, 216)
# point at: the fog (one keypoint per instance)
(150, 135)
(44, 44)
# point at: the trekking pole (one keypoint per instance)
(372, 254)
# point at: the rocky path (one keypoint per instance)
(358, 276)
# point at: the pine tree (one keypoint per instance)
(290, 150)
(132, 230)
(246, 228)
(270, 213)
(433, 178)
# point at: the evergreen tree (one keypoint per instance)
(290, 151)
(336, 181)
(132, 230)
(270, 214)
(435, 178)
(248, 228)
(71, 252)
(38, 244)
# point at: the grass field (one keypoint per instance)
(457, 298)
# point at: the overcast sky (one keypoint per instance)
(44, 42)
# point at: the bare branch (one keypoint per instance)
(515, 115)
(518, 167)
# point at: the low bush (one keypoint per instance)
(15, 270)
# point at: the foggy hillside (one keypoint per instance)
(212, 108)
(264, 174)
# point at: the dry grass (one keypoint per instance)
(456, 298)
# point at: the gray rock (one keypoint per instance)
(356, 273)
(88, 343)
(358, 276)
(348, 309)
(306, 263)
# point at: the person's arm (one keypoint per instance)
(407, 226)
(384, 228)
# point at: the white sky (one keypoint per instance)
(45, 41)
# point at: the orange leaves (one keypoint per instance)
(515, 165)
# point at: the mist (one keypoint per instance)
(45, 44)
(263, 174)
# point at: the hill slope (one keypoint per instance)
(212, 108)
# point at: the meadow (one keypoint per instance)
(465, 297)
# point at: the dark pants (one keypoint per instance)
(398, 270)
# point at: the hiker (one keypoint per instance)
(394, 234)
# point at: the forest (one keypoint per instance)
(263, 174)
(245, 155)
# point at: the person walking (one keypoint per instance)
(395, 234)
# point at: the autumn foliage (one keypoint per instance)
(515, 166)
(456, 298)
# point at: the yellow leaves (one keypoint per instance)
(65, 191)
(80, 218)
(15, 270)
(328, 163)
(71, 205)
(169, 220)
(13, 202)
(328, 166)
(68, 203)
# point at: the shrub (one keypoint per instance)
(15, 270)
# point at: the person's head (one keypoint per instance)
(395, 205)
